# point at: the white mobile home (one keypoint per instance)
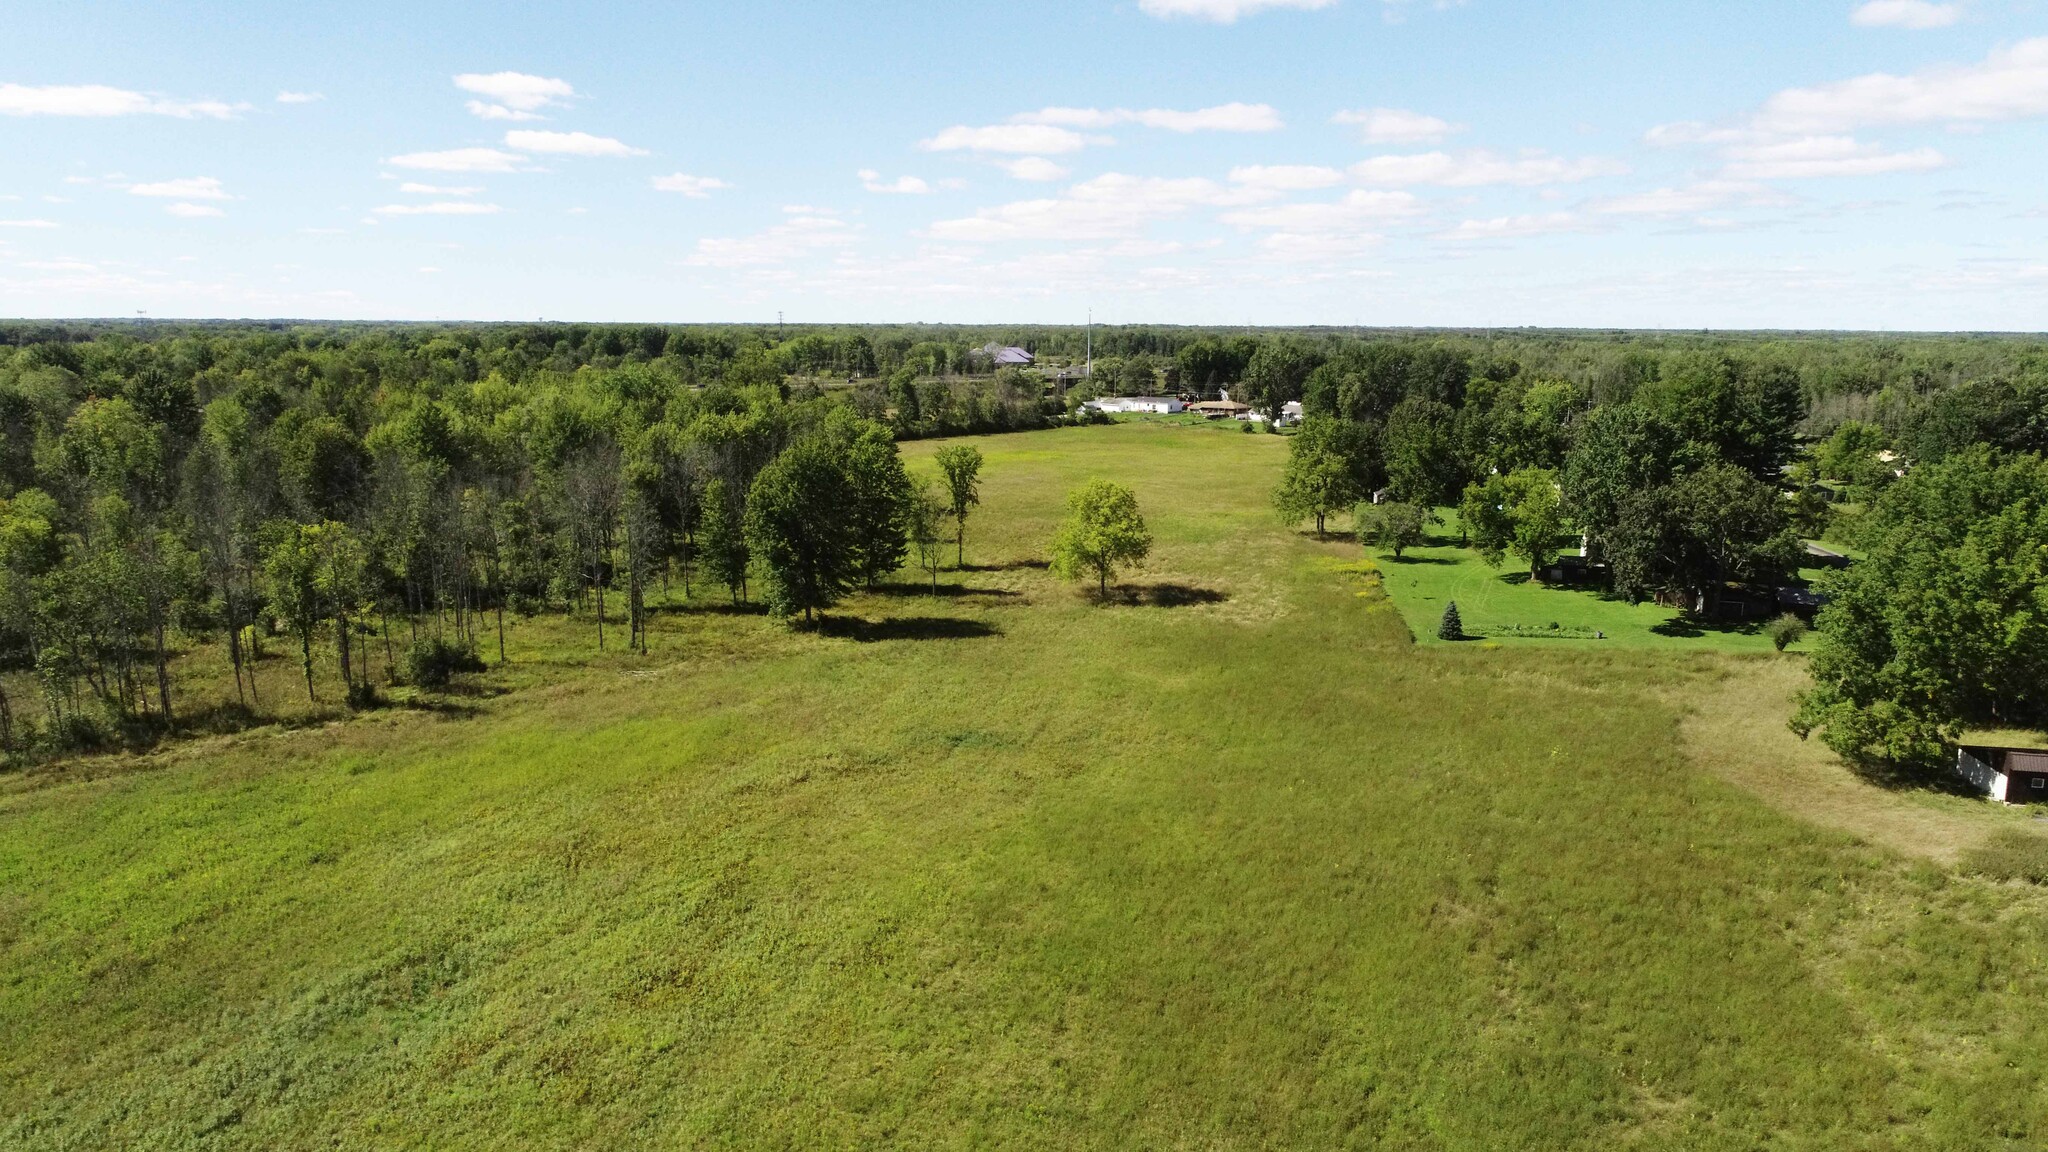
(1159, 405)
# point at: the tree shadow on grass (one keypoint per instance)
(1692, 628)
(948, 590)
(1515, 578)
(441, 705)
(1405, 560)
(717, 608)
(1164, 595)
(1895, 777)
(905, 628)
(1006, 566)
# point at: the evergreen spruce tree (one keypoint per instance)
(1452, 628)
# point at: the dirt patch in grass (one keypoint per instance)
(1734, 725)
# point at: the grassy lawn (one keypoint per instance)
(1489, 599)
(1229, 862)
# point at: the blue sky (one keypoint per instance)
(1486, 163)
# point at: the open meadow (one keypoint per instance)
(1232, 861)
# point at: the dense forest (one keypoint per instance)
(168, 486)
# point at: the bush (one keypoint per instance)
(77, 732)
(432, 662)
(1786, 631)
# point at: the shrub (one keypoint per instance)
(432, 662)
(1786, 631)
(1452, 627)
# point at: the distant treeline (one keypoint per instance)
(164, 484)
(1841, 375)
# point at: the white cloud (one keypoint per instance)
(1036, 138)
(1111, 206)
(1702, 197)
(1686, 132)
(1033, 168)
(101, 100)
(193, 211)
(440, 208)
(1234, 117)
(1914, 14)
(1222, 11)
(1357, 209)
(569, 144)
(695, 187)
(189, 188)
(905, 185)
(299, 97)
(1286, 177)
(28, 223)
(438, 189)
(1815, 156)
(2010, 84)
(1397, 125)
(1476, 169)
(484, 110)
(429, 270)
(806, 231)
(1513, 227)
(513, 95)
(459, 160)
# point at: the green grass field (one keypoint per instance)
(1490, 599)
(1229, 863)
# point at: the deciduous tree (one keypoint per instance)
(960, 464)
(1103, 531)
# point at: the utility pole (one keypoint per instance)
(778, 325)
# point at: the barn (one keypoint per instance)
(2013, 775)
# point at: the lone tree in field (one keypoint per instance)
(962, 465)
(1394, 526)
(1318, 480)
(1103, 530)
(1452, 628)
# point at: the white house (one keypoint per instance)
(1290, 414)
(1159, 405)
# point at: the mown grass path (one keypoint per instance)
(1005, 867)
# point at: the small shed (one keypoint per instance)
(1218, 409)
(2011, 775)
